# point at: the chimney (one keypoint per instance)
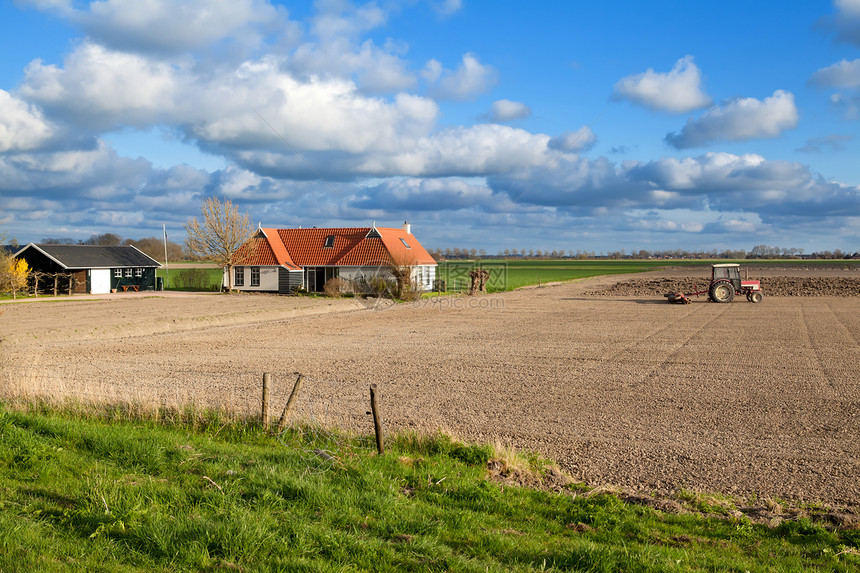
(407, 227)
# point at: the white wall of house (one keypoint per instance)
(422, 275)
(268, 278)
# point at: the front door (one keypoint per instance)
(100, 281)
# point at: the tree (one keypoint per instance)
(104, 240)
(154, 247)
(13, 274)
(219, 235)
(19, 272)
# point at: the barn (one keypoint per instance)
(92, 269)
(282, 260)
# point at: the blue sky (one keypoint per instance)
(592, 126)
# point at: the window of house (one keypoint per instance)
(128, 273)
(255, 276)
(402, 240)
(138, 273)
(329, 242)
(117, 273)
(239, 279)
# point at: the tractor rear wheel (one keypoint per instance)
(756, 297)
(722, 291)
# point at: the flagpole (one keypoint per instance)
(166, 264)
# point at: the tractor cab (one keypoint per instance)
(727, 271)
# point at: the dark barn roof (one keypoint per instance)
(94, 256)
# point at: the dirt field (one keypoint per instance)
(755, 400)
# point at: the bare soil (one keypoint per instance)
(753, 400)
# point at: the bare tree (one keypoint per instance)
(219, 235)
(154, 247)
(104, 239)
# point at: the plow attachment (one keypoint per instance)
(677, 297)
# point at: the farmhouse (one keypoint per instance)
(92, 269)
(282, 260)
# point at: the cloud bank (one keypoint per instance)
(322, 122)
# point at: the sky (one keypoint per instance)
(572, 125)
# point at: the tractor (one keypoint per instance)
(725, 284)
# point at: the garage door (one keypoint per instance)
(100, 281)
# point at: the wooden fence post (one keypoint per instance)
(267, 378)
(282, 423)
(377, 420)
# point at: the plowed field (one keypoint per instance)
(616, 385)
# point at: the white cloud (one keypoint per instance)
(846, 22)
(319, 115)
(58, 6)
(447, 7)
(414, 194)
(22, 126)
(577, 141)
(98, 88)
(376, 70)
(833, 142)
(103, 89)
(432, 71)
(739, 120)
(171, 27)
(477, 150)
(678, 91)
(844, 74)
(77, 174)
(506, 110)
(470, 79)
(850, 105)
(337, 19)
(713, 182)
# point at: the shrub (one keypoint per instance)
(336, 287)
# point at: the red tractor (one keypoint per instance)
(725, 284)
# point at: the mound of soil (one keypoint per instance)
(774, 286)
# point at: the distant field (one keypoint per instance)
(509, 275)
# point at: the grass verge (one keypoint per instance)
(84, 493)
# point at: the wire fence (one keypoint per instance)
(324, 417)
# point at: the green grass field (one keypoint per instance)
(512, 274)
(90, 494)
(509, 275)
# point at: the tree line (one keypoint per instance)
(757, 252)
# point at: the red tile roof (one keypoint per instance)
(296, 248)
